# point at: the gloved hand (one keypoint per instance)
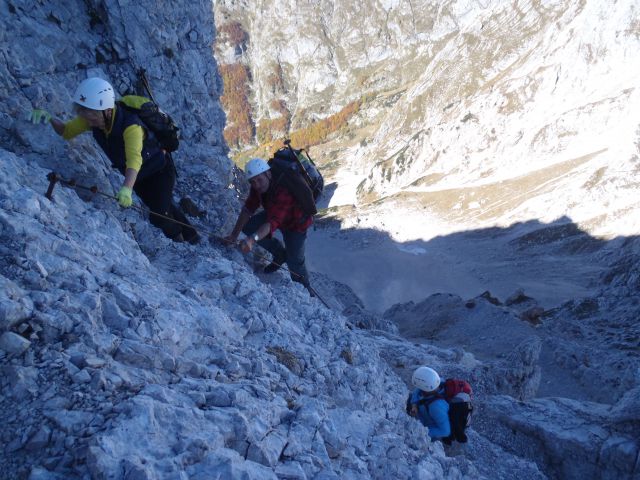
(124, 197)
(38, 115)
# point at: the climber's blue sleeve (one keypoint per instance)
(439, 413)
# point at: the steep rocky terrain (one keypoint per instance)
(124, 355)
(495, 146)
(474, 113)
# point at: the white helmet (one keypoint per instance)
(95, 94)
(426, 379)
(255, 167)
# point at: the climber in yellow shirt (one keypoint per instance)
(132, 148)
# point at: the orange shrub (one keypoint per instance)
(269, 129)
(274, 80)
(233, 32)
(235, 101)
(318, 132)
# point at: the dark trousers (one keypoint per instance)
(460, 418)
(156, 192)
(292, 251)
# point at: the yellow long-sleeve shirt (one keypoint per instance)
(133, 137)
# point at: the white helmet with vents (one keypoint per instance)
(426, 379)
(255, 167)
(95, 93)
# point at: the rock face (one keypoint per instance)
(49, 48)
(124, 355)
(491, 331)
(472, 112)
(178, 361)
(584, 350)
(566, 434)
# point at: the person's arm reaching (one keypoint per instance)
(243, 218)
(133, 137)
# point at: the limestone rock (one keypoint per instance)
(13, 343)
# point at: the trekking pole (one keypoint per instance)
(54, 178)
(303, 170)
(143, 75)
(315, 292)
(294, 274)
(71, 183)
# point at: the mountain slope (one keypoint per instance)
(125, 355)
(463, 98)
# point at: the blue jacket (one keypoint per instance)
(433, 415)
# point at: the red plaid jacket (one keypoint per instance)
(282, 210)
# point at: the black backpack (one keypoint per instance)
(158, 122)
(459, 411)
(286, 167)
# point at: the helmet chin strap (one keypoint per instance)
(105, 119)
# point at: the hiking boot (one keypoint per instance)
(277, 262)
(193, 239)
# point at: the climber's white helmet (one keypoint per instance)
(426, 379)
(255, 167)
(95, 94)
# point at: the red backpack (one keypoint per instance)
(454, 386)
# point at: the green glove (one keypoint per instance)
(38, 115)
(124, 197)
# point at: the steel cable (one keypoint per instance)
(54, 178)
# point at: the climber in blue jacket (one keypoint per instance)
(428, 404)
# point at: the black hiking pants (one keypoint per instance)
(459, 417)
(156, 192)
(292, 253)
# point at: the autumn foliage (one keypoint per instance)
(307, 137)
(269, 129)
(233, 33)
(319, 131)
(275, 79)
(235, 100)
